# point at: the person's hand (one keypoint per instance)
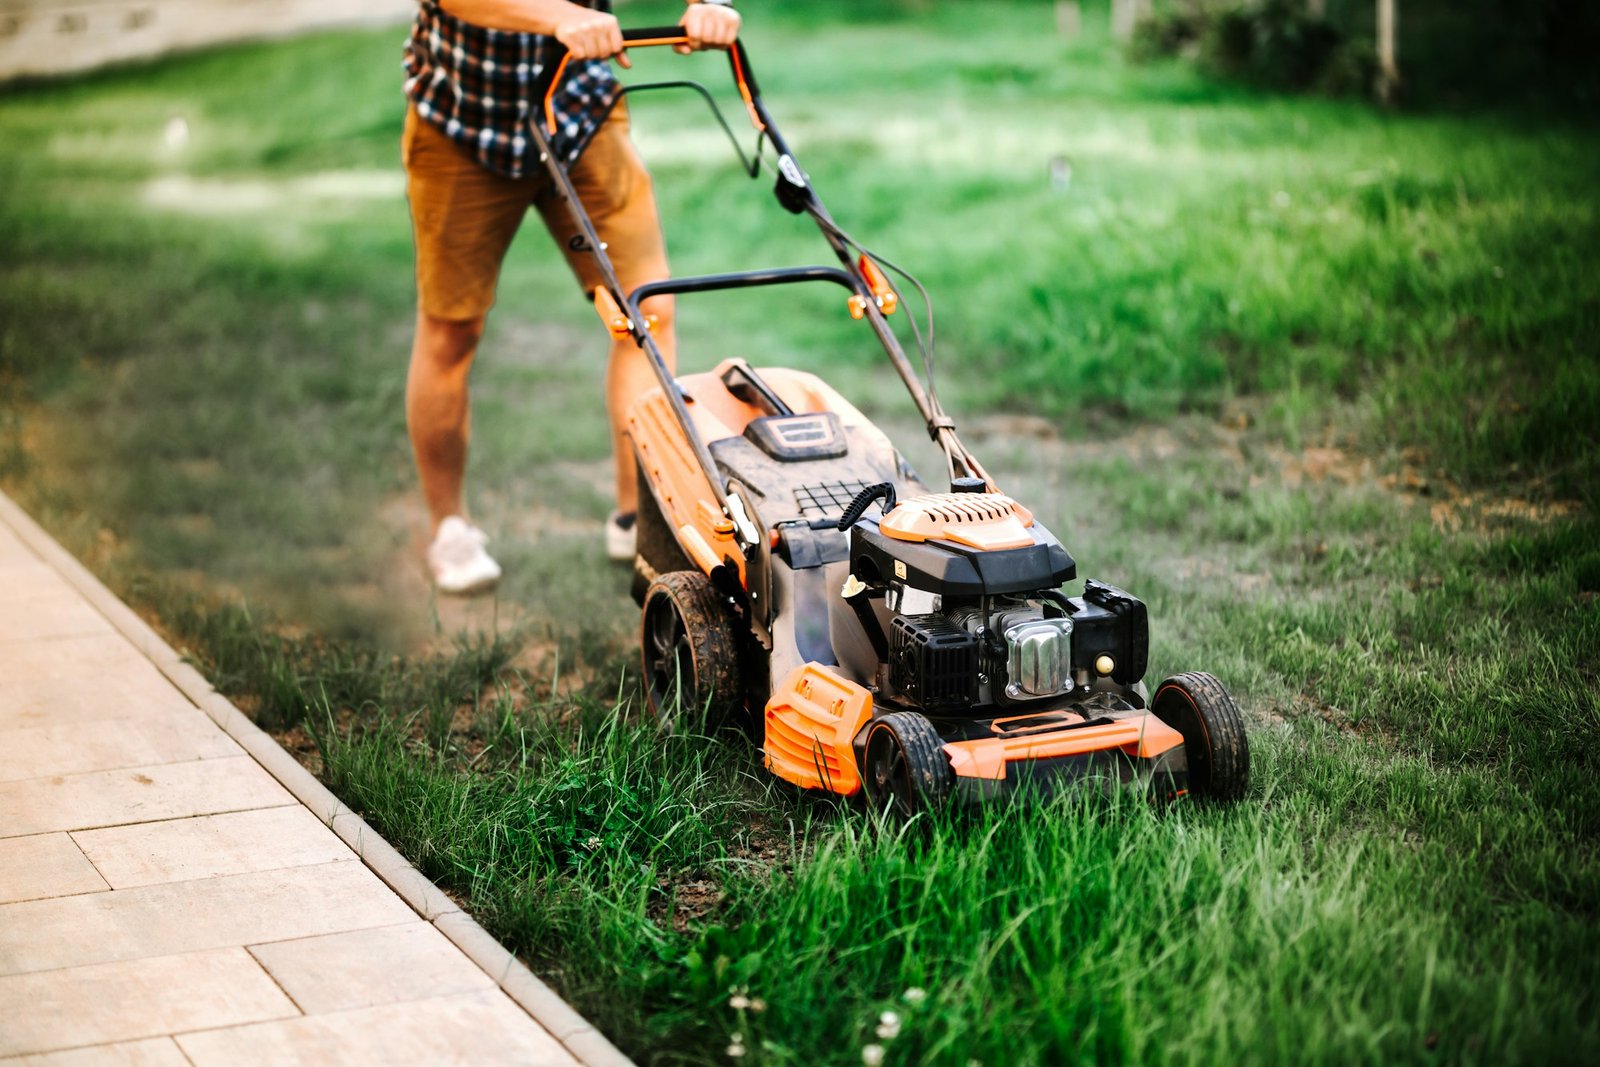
(708, 26)
(590, 34)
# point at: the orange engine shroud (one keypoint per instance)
(985, 521)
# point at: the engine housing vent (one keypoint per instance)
(933, 662)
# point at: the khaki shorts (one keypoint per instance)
(463, 216)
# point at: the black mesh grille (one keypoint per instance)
(933, 662)
(826, 498)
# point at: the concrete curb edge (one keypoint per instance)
(575, 1033)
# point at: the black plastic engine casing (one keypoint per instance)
(956, 570)
(933, 663)
(1107, 620)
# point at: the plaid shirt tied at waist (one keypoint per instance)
(483, 88)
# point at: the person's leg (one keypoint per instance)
(437, 414)
(463, 219)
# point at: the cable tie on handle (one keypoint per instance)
(939, 423)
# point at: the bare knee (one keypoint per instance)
(446, 342)
(660, 310)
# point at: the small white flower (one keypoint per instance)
(758, 1005)
(872, 1055)
(888, 1026)
(735, 1050)
(592, 844)
(915, 995)
(738, 1002)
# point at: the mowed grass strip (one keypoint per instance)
(203, 326)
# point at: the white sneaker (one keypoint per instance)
(622, 536)
(460, 565)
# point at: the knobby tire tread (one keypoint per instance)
(924, 751)
(713, 647)
(1221, 727)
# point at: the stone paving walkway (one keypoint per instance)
(175, 889)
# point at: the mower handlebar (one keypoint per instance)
(649, 36)
(654, 36)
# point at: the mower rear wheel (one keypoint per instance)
(906, 768)
(690, 652)
(1197, 706)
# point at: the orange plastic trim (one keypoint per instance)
(882, 291)
(610, 312)
(985, 521)
(1144, 736)
(811, 720)
(744, 91)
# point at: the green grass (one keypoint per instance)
(1317, 382)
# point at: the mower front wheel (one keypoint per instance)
(690, 652)
(1198, 707)
(906, 766)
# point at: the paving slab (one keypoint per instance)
(67, 748)
(472, 1030)
(45, 865)
(152, 1052)
(136, 794)
(57, 657)
(85, 698)
(158, 920)
(176, 890)
(14, 553)
(182, 850)
(365, 968)
(34, 611)
(111, 1002)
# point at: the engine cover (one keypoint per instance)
(1038, 658)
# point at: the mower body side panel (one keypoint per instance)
(687, 500)
(810, 724)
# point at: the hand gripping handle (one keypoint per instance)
(654, 36)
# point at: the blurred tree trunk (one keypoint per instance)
(1388, 51)
(1125, 15)
(1317, 9)
(1069, 19)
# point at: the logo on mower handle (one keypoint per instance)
(791, 171)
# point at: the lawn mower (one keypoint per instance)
(883, 635)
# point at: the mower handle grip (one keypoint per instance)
(649, 36)
(652, 36)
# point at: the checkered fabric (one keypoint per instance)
(483, 88)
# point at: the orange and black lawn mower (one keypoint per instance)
(884, 636)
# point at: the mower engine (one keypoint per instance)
(960, 595)
(1014, 649)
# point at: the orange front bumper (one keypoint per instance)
(1143, 736)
